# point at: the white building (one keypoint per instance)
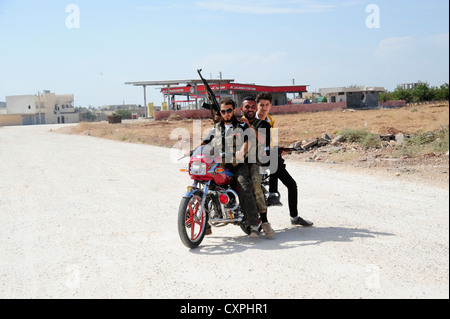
(354, 97)
(47, 108)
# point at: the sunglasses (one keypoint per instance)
(229, 111)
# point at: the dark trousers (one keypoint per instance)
(283, 175)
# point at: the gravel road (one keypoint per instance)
(82, 217)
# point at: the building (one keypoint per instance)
(114, 108)
(354, 97)
(137, 111)
(190, 94)
(2, 108)
(45, 108)
(408, 86)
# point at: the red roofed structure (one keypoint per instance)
(192, 94)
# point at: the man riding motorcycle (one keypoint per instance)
(227, 136)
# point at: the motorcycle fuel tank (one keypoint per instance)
(223, 177)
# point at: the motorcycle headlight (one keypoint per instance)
(198, 169)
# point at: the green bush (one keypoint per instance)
(421, 93)
(441, 143)
(361, 137)
(427, 142)
(125, 114)
(442, 93)
(402, 94)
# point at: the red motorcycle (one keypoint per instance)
(212, 201)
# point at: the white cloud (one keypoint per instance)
(271, 7)
(394, 46)
(439, 40)
(405, 46)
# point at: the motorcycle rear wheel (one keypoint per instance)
(191, 225)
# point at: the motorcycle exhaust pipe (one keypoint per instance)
(214, 222)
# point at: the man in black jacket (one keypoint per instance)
(229, 137)
(264, 101)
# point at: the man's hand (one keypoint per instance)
(240, 155)
(244, 120)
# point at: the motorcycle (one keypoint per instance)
(212, 201)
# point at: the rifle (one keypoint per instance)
(213, 104)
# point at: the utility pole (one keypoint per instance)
(293, 83)
(145, 101)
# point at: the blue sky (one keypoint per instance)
(317, 43)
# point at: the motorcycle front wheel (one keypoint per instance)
(192, 223)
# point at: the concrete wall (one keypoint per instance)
(354, 99)
(11, 120)
(336, 98)
(371, 99)
(62, 118)
(399, 103)
(298, 108)
(21, 104)
(186, 114)
(357, 100)
(21, 119)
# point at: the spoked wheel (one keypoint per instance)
(192, 223)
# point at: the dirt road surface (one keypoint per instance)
(82, 217)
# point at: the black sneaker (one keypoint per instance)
(302, 222)
(274, 201)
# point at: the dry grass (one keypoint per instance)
(408, 120)
(291, 127)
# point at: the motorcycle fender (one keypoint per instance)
(191, 191)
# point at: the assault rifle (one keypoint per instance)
(212, 104)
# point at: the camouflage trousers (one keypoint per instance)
(256, 177)
(246, 195)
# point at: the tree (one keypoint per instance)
(126, 114)
(385, 96)
(91, 116)
(442, 93)
(422, 92)
(402, 94)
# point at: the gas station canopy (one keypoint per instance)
(194, 89)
